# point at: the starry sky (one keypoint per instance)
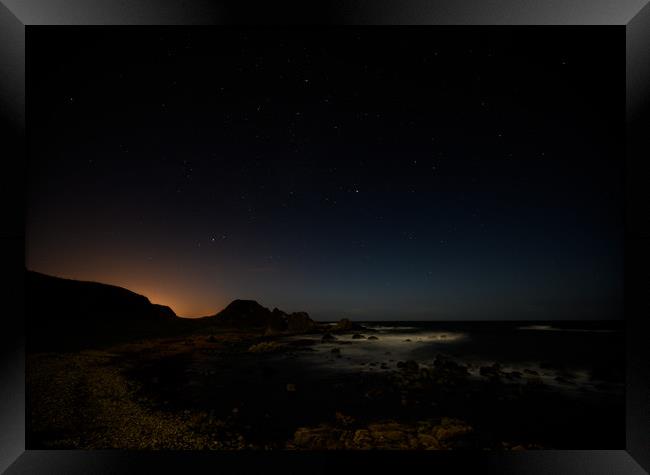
(373, 174)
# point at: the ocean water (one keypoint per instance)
(569, 356)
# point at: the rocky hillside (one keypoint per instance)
(249, 314)
(64, 313)
(64, 299)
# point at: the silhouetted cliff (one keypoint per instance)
(64, 313)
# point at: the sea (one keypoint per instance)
(571, 356)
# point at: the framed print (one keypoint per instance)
(343, 236)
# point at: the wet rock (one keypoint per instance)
(531, 372)
(568, 375)
(426, 373)
(492, 372)
(563, 380)
(328, 337)
(375, 393)
(343, 325)
(535, 383)
(409, 365)
(343, 419)
(446, 368)
(267, 347)
(358, 336)
(373, 337)
(407, 340)
(548, 365)
(336, 351)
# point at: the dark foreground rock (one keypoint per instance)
(441, 434)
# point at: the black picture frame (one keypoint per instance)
(16, 18)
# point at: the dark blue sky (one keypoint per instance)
(369, 174)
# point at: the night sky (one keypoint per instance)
(374, 174)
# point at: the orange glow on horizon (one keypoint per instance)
(187, 307)
(180, 308)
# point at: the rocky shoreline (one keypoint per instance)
(231, 388)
